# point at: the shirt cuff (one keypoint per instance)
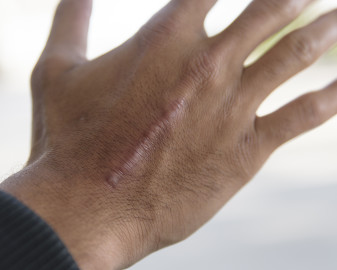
(27, 242)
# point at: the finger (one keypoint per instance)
(299, 116)
(68, 37)
(185, 14)
(294, 53)
(197, 12)
(179, 19)
(261, 19)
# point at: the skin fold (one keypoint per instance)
(137, 149)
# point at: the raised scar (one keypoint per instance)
(146, 143)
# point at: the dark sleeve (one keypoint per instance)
(27, 242)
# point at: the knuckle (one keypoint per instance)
(203, 68)
(302, 47)
(42, 74)
(284, 8)
(289, 8)
(157, 33)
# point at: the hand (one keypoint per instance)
(137, 149)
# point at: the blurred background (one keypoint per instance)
(284, 219)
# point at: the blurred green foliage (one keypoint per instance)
(333, 53)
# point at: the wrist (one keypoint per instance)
(84, 213)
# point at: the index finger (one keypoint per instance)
(68, 36)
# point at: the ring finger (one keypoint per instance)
(294, 53)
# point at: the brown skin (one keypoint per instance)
(137, 149)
